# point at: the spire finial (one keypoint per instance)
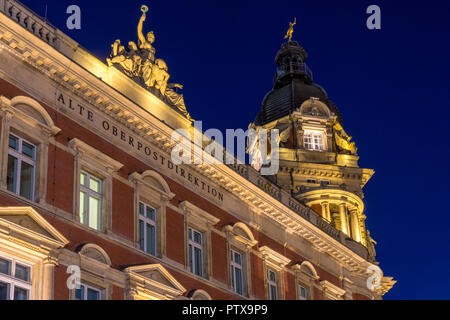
(290, 30)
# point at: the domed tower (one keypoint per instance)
(318, 160)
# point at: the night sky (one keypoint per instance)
(390, 85)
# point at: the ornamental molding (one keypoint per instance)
(332, 290)
(203, 217)
(94, 89)
(85, 150)
(241, 233)
(24, 226)
(153, 281)
(274, 257)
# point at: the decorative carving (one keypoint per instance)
(343, 140)
(253, 148)
(371, 246)
(140, 64)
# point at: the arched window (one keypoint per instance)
(152, 193)
(93, 263)
(306, 276)
(199, 294)
(240, 240)
(26, 132)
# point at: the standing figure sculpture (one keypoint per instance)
(290, 30)
(145, 43)
(371, 246)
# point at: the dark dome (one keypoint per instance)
(293, 85)
(282, 101)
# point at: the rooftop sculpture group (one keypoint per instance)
(139, 62)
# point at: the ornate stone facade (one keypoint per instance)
(88, 120)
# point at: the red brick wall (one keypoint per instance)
(61, 292)
(123, 210)
(60, 178)
(175, 236)
(257, 273)
(219, 257)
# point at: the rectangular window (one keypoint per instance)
(15, 280)
(86, 292)
(195, 246)
(313, 140)
(237, 279)
(147, 228)
(20, 177)
(272, 283)
(302, 292)
(90, 200)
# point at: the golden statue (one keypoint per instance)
(177, 99)
(139, 63)
(158, 76)
(129, 61)
(371, 246)
(343, 140)
(145, 42)
(290, 30)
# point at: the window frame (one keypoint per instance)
(307, 290)
(235, 265)
(277, 263)
(192, 245)
(151, 188)
(240, 239)
(88, 194)
(20, 157)
(305, 276)
(11, 279)
(202, 221)
(39, 132)
(102, 167)
(85, 290)
(271, 283)
(314, 145)
(146, 220)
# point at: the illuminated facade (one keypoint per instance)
(87, 181)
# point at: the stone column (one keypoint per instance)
(354, 222)
(326, 211)
(48, 280)
(6, 114)
(343, 218)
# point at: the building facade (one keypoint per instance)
(88, 187)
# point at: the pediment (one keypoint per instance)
(156, 275)
(27, 220)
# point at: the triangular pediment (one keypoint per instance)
(27, 219)
(156, 273)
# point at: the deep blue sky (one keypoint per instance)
(390, 85)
